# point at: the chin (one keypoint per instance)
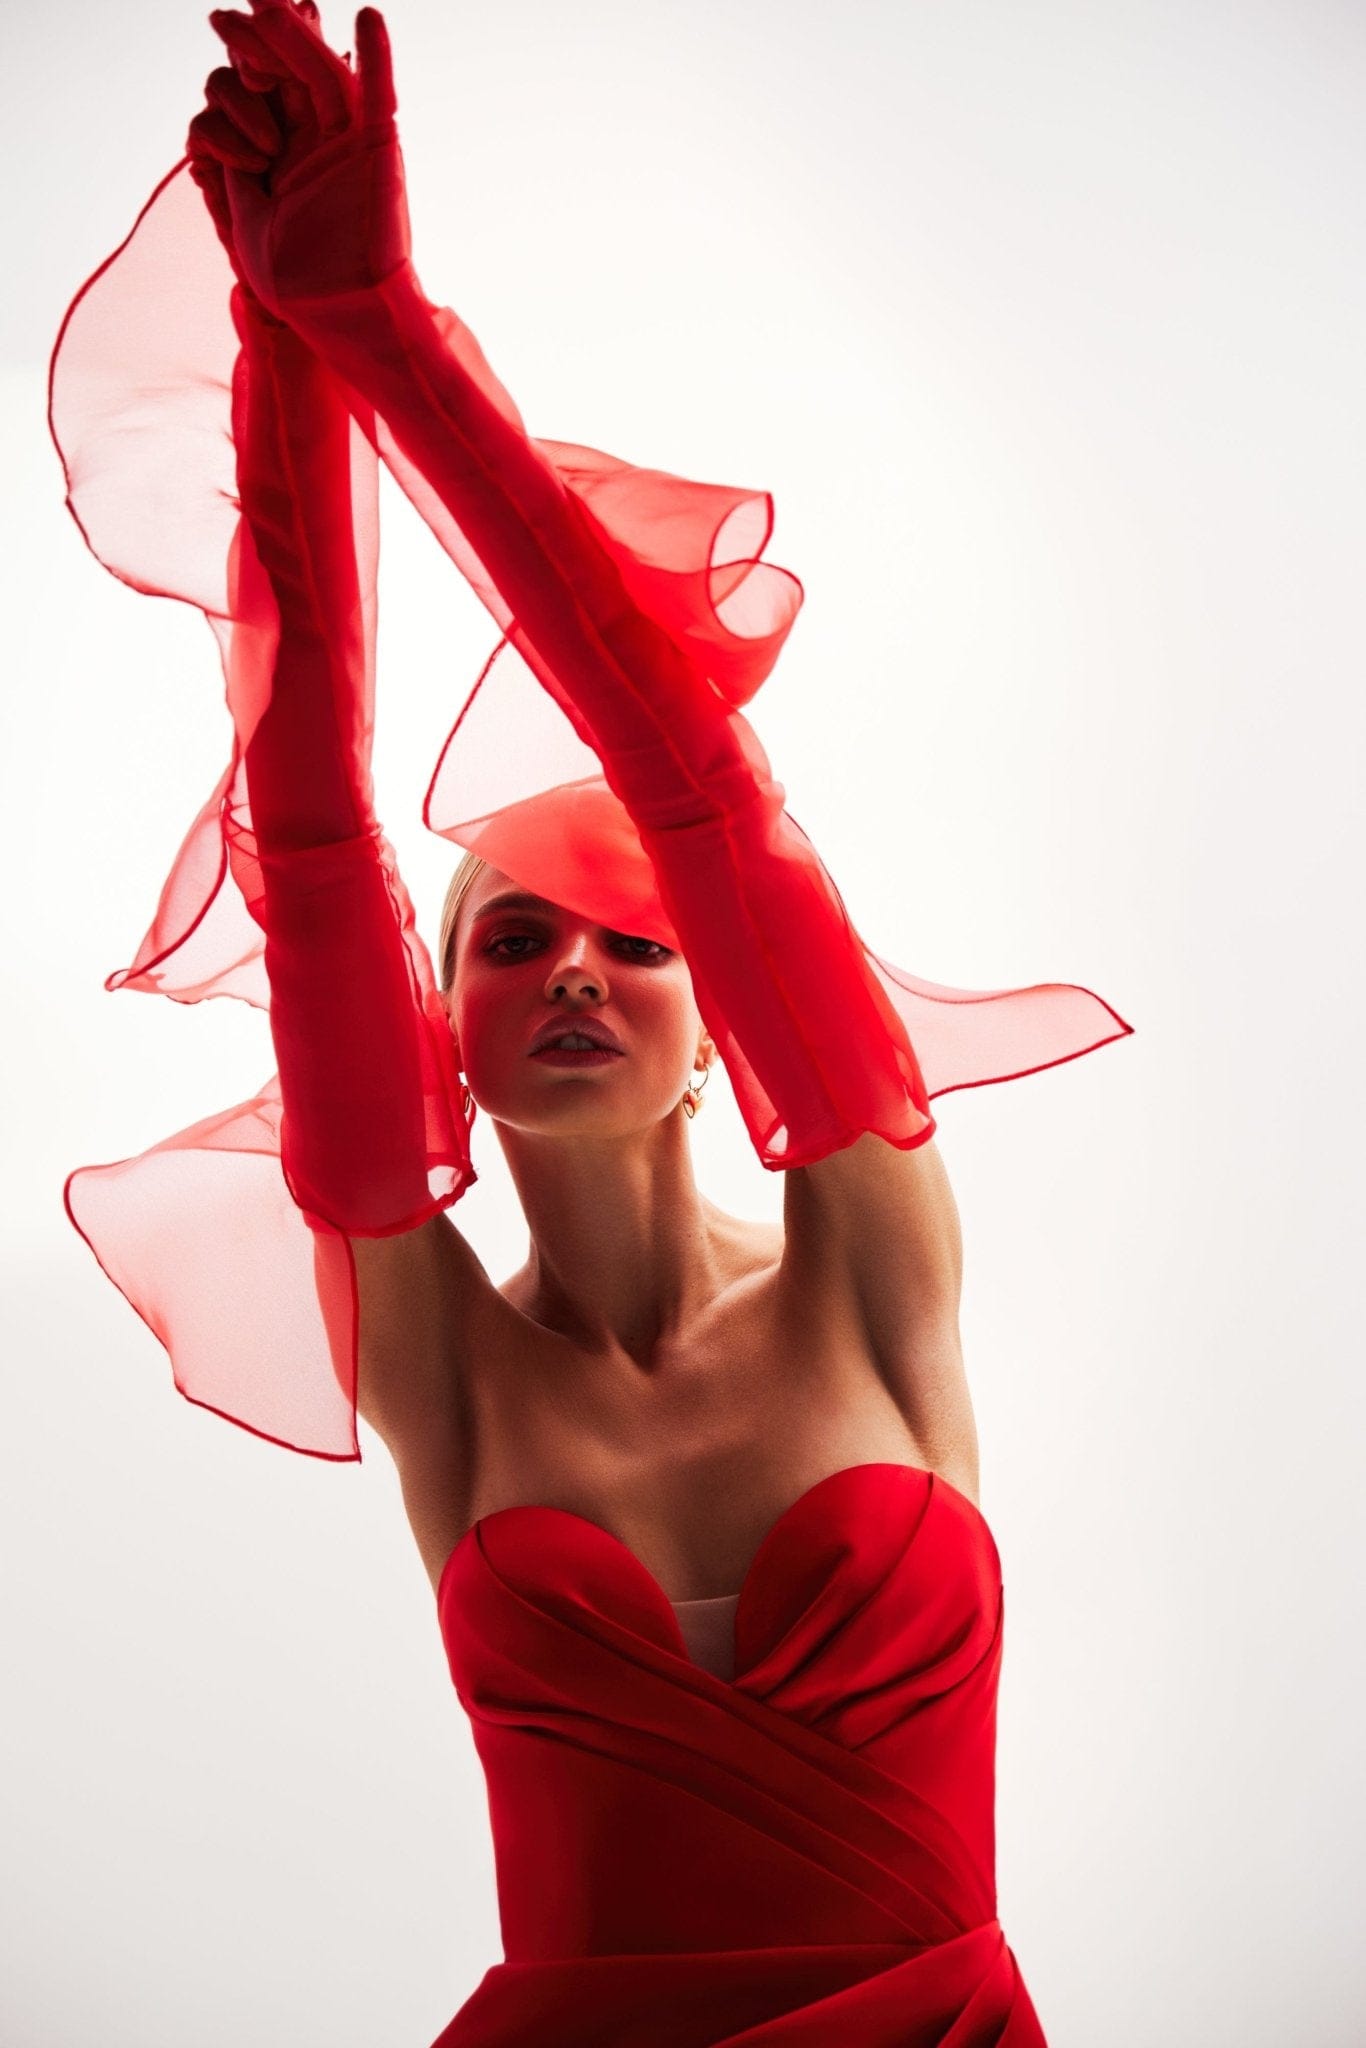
(577, 1109)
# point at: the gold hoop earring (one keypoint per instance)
(692, 1097)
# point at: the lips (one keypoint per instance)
(558, 1028)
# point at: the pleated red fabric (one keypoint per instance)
(247, 1281)
(802, 1854)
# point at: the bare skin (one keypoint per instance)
(676, 1374)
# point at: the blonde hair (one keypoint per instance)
(457, 889)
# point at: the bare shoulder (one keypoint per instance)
(427, 1309)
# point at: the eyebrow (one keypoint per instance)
(511, 899)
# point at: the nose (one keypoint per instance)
(577, 972)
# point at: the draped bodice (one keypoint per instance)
(813, 1833)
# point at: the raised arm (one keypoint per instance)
(356, 1049)
(342, 1016)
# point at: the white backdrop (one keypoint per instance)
(1046, 325)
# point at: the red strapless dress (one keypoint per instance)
(803, 1854)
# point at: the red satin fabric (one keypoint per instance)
(804, 1854)
(247, 1282)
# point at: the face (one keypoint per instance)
(523, 963)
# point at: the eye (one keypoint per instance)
(655, 952)
(510, 938)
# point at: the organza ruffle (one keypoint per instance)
(256, 1304)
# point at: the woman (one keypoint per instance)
(697, 1497)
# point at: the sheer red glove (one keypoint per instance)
(817, 1051)
(357, 1053)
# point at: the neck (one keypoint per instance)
(625, 1251)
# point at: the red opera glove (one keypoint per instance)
(357, 1053)
(779, 972)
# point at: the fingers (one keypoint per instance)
(375, 65)
(293, 41)
(262, 69)
(211, 133)
(247, 110)
(254, 61)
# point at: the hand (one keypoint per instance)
(297, 155)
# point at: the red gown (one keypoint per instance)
(803, 1853)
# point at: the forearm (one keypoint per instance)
(307, 761)
(344, 1014)
(618, 674)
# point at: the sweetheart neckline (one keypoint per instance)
(770, 1535)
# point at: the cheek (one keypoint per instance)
(484, 1021)
(664, 1022)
